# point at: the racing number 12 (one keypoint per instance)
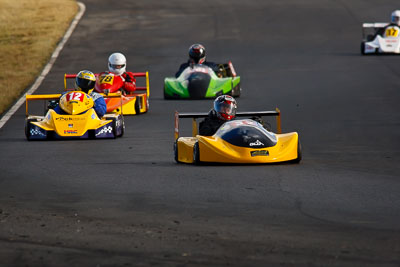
(75, 96)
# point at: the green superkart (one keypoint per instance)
(200, 81)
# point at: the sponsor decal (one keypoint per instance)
(106, 129)
(70, 125)
(69, 119)
(256, 143)
(70, 131)
(256, 153)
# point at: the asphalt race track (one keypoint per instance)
(125, 202)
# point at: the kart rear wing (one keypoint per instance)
(372, 28)
(196, 115)
(135, 74)
(54, 97)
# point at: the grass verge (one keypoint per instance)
(29, 33)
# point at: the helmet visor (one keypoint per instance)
(84, 84)
(117, 67)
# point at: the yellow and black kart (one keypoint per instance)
(242, 141)
(79, 122)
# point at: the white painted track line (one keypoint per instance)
(47, 68)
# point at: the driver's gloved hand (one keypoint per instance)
(128, 79)
(52, 104)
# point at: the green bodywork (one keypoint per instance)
(178, 87)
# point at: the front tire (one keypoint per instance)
(362, 48)
(299, 153)
(28, 128)
(196, 153)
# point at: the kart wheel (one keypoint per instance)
(298, 153)
(138, 104)
(116, 123)
(236, 91)
(166, 96)
(362, 48)
(28, 128)
(114, 128)
(196, 153)
(123, 127)
(176, 151)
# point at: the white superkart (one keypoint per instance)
(387, 43)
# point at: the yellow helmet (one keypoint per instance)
(85, 81)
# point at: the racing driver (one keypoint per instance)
(85, 81)
(394, 21)
(224, 110)
(197, 55)
(117, 66)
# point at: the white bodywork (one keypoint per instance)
(389, 42)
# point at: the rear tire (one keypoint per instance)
(236, 91)
(196, 153)
(138, 104)
(176, 151)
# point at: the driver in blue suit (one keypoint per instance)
(197, 55)
(85, 81)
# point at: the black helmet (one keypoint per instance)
(225, 107)
(85, 81)
(197, 53)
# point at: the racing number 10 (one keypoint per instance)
(75, 96)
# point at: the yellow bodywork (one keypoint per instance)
(128, 104)
(71, 125)
(214, 149)
(125, 104)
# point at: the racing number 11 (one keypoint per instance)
(75, 96)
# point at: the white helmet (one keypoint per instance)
(117, 63)
(395, 18)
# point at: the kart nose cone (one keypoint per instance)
(198, 84)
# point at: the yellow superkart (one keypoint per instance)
(130, 103)
(238, 141)
(79, 121)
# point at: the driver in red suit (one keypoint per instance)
(117, 66)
